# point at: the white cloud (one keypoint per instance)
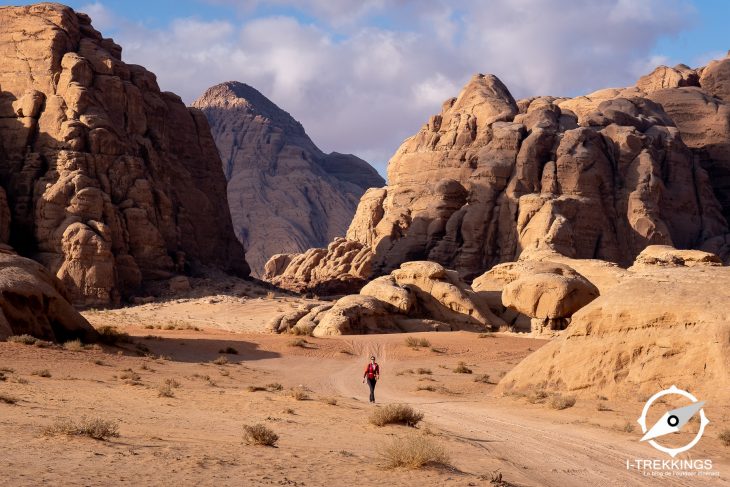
(360, 84)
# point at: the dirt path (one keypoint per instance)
(541, 449)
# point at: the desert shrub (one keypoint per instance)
(483, 378)
(73, 346)
(462, 369)
(229, 351)
(725, 436)
(602, 406)
(426, 388)
(288, 411)
(109, 335)
(165, 390)
(414, 451)
(41, 373)
(423, 371)
(559, 402)
(536, 396)
(395, 414)
(332, 401)
(96, 428)
(99, 362)
(222, 360)
(299, 394)
(6, 370)
(406, 371)
(259, 434)
(628, 427)
(129, 374)
(8, 399)
(298, 342)
(270, 295)
(417, 342)
(24, 339)
(274, 387)
(255, 388)
(224, 372)
(172, 383)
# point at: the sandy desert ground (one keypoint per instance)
(195, 437)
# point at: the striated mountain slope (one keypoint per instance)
(285, 194)
(111, 183)
(600, 176)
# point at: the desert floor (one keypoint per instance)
(195, 437)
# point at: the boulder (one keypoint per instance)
(663, 255)
(34, 302)
(661, 325)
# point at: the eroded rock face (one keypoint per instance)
(34, 302)
(285, 194)
(639, 334)
(110, 182)
(595, 177)
(418, 296)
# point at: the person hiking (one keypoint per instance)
(372, 374)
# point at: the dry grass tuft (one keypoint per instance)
(628, 427)
(602, 406)
(536, 396)
(110, 335)
(462, 369)
(24, 339)
(165, 390)
(274, 387)
(298, 342)
(426, 388)
(41, 373)
(74, 346)
(255, 388)
(299, 394)
(414, 451)
(559, 402)
(96, 428)
(483, 378)
(8, 399)
(222, 360)
(259, 434)
(423, 371)
(725, 436)
(414, 342)
(228, 350)
(395, 414)
(332, 401)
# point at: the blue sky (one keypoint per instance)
(362, 75)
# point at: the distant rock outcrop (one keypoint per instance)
(285, 194)
(111, 183)
(418, 296)
(600, 176)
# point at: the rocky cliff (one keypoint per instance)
(600, 176)
(285, 194)
(111, 183)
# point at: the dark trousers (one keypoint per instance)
(371, 383)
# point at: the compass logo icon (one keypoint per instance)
(673, 421)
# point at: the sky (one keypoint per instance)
(363, 75)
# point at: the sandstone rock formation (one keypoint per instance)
(548, 293)
(594, 177)
(110, 182)
(418, 296)
(660, 325)
(285, 194)
(34, 302)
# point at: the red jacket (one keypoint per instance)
(371, 371)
